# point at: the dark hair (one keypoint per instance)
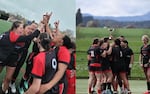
(95, 41)
(106, 39)
(45, 41)
(101, 42)
(73, 45)
(122, 36)
(15, 25)
(117, 42)
(67, 42)
(125, 41)
(25, 25)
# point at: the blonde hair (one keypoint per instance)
(145, 37)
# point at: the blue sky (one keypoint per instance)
(114, 7)
(63, 10)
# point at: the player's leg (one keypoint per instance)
(8, 77)
(90, 81)
(98, 82)
(126, 82)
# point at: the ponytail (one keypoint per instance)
(45, 41)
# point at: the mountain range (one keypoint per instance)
(145, 17)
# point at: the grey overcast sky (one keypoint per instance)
(63, 10)
(114, 7)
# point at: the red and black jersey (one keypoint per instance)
(63, 55)
(145, 52)
(44, 66)
(8, 41)
(71, 66)
(95, 53)
(6, 46)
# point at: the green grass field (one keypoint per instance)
(136, 86)
(86, 35)
(84, 40)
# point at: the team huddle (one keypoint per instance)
(50, 66)
(109, 65)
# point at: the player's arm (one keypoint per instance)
(59, 74)
(140, 60)
(131, 61)
(109, 51)
(46, 19)
(34, 88)
(88, 57)
(104, 53)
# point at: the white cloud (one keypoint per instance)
(114, 7)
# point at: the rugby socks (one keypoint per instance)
(13, 81)
(103, 86)
(98, 91)
(148, 86)
(2, 92)
(22, 82)
(109, 86)
(90, 91)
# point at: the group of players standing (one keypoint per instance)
(50, 67)
(109, 64)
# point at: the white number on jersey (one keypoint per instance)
(54, 63)
(92, 54)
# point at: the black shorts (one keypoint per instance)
(11, 60)
(118, 67)
(127, 67)
(95, 69)
(106, 66)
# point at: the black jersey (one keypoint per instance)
(127, 54)
(95, 53)
(117, 55)
(145, 52)
(6, 47)
(8, 41)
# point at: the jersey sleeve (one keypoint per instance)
(63, 55)
(13, 36)
(38, 67)
(29, 37)
(131, 52)
(148, 48)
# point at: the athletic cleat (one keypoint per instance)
(21, 91)
(122, 92)
(108, 91)
(26, 85)
(93, 91)
(6, 92)
(104, 92)
(115, 92)
(12, 87)
(129, 92)
(146, 92)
